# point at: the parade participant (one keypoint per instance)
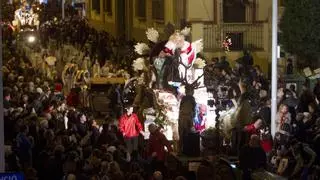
(130, 127)
(156, 147)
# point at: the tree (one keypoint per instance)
(300, 30)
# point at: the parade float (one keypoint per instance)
(26, 17)
(180, 92)
(169, 85)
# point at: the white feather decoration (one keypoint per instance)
(138, 64)
(186, 31)
(141, 48)
(198, 45)
(152, 35)
(199, 63)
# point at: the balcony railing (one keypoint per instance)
(243, 36)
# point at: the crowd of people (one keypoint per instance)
(295, 147)
(49, 138)
(95, 44)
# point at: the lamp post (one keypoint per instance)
(62, 6)
(274, 62)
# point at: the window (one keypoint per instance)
(234, 11)
(96, 5)
(158, 9)
(141, 8)
(107, 7)
(237, 40)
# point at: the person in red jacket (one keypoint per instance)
(156, 148)
(130, 127)
(259, 128)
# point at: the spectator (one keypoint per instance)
(289, 70)
(6, 98)
(24, 146)
(256, 160)
(304, 157)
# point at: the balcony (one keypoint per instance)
(243, 36)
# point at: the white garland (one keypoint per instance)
(199, 63)
(198, 45)
(152, 35)
(138, 64)
(141, 48)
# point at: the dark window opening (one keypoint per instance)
(96, 5)
(234, 11)
(237, 41)
(158, 9)
(107, 7)
(141, 8)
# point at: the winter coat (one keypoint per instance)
(157, 142)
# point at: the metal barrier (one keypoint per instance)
(243, 36)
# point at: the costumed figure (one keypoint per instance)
(86, 63)
(50, 67)
(188, 52)
(82, 80)
(68, 75)
(159, 64)
(227, 43)
(172, 64)
(96, 69)
(186, 117)
(200, 118)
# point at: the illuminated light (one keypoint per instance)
(31, 39)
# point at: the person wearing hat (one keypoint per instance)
(130, 127)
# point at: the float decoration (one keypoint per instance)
(171, 73)
(227, 43)
(152, 35)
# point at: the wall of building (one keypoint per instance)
(140, 26)
(102, 21)
(135, 26)
(200, 10)
(263, 10)
(197, 15)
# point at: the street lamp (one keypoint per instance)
(31, 39)
(274, 64)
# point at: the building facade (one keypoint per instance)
(133, 17)
(247, 22)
